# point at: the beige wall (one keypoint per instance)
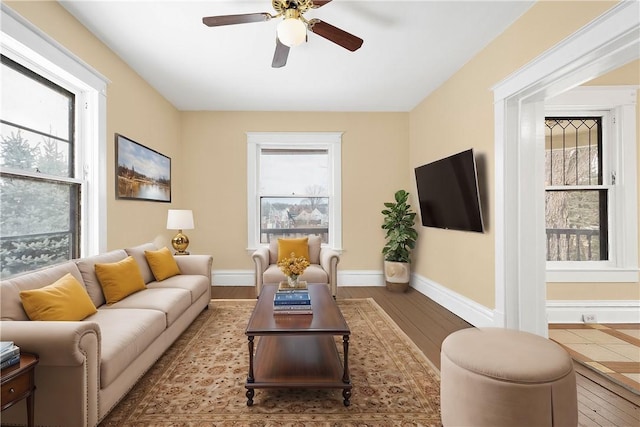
(459, 115)
(134, 109)
(374, 161)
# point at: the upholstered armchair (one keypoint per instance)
(323, 266)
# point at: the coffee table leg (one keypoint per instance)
(346, 393)
(250, 379)
(250, 393)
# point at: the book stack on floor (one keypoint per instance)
(292, 302)
(9, 354)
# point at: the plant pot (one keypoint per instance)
(397, 276)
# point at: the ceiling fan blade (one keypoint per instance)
(245, 18)
(280, 55)
(319, 3)
(335, 34)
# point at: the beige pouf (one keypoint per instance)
(501, 377)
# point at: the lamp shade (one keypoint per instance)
(180, 219)
(291, 32)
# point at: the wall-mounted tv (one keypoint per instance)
(448, 193)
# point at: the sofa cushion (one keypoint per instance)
(10, 304)
(163, 265)
(65, 299)
(313, 274)
(297, 247)
(119, 279)
(137, 252)
(315, 244)
(172, 302)
(125, 334)
(87, 267)
(196, 285)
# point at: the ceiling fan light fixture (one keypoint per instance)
(292, 32)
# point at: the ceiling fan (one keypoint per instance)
(293, 29)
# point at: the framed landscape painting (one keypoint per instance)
(141, 173)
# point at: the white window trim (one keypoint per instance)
(330, 141)
(26, 44)
(620, 153)
(606, 43)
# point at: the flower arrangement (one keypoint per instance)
(293, 267)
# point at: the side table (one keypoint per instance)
(18, 382)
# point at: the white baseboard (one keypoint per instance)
(233, 278)
(619, 311)
(360, 278)
(469, 310)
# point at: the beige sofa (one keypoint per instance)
(86, 367)
(323, 268)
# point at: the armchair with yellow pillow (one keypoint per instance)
(98, 324)
(323, 262)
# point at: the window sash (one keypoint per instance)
(567, 244)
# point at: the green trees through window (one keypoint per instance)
(39, 194)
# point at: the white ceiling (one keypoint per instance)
(410, 48)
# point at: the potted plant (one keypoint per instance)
(400, 240)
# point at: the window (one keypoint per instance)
(39, 193)
(591, 185)
(52, 151)
(293, 186)
(576, 199)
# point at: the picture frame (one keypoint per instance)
(141, 173)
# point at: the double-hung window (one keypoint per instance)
(294, 186)
(39, 191)
(577, 197)
(52, 151)
(591, 186)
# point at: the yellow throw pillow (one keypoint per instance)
(300, 247)
(120, 279)
(64, 299)
(163, 264)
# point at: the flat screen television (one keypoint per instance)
(448, 193)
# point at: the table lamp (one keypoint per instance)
(180, 219)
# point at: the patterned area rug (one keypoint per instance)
(199, 381)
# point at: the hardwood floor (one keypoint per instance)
(428, 324)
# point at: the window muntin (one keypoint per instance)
(39, 221)
(576, 199)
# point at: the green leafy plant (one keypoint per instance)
(400, 234)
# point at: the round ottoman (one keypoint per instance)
(501, 377)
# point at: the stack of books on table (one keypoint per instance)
(9, 354)
(292, 302)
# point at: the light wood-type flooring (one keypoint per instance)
(600, 402)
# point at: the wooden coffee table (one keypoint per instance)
(299, 350)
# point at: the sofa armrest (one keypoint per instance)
(195, 264)
(261, 260)
(329, 260)
(56, 343)
(68, 372)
